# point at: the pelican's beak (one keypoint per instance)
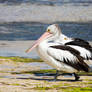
(45, 35)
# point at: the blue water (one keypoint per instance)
(49, 2)
(32, 31)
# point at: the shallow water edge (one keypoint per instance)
(17, 48)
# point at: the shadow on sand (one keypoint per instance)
(48, 75)
(50, 80)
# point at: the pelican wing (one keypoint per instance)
(83, 46)
(68, 56)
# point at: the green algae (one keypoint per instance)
(21, 59)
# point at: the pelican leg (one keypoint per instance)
(56, 75)
(76, 77)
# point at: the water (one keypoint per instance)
(32, 31)
(25, 20)
(21, 31)
(49, 2)
(42, 66)
(16, 37)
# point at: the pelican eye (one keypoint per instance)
(65, 38)
(48, 30)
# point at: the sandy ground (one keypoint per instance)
(10, 81)
(29, 85)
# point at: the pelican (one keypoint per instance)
(84, 48)
(62, 57)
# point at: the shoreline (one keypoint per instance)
(17, 48)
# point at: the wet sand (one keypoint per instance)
(11, 81)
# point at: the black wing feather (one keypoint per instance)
(80, 65)
(81, 43)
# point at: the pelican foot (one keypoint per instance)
(56, 75)
(76, 77)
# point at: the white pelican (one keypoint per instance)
(59, 56)
(84, 48)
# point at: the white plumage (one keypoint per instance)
(49, 56)
(82, 46)
(62, 54)
(83, 52)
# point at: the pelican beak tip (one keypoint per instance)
(26, 51)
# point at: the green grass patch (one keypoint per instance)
(37, 72)
(85, 73)
(54, 71)
(75, 89)
(21, 59)
(42, 88)
(16, 84)
(61, 88)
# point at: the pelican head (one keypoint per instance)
(53, 31)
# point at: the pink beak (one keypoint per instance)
(45, 35)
